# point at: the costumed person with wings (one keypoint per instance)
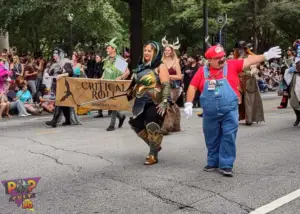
(251, 106)
(62, 68)
(151, 90)
(218, 83)
(172, 118)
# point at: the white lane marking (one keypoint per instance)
(50, 132)
(277, 203)
(39, 118)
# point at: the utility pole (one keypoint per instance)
(205, 23)
(4, 41)
(255, 26)
(136, 42)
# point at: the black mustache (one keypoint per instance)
(221, 62)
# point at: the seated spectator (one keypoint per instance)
(45, 99)
(263, 86)
(15, 104)
(20, 81)
(25, 97)
(4, 105)
(4, 84)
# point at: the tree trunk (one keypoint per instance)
(255, 36)
(136, 44)
(4, 42)
(205, 24)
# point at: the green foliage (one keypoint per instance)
(41, 25)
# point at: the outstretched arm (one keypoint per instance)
(273, 53)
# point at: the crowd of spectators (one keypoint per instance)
(27, 94)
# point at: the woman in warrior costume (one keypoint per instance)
(172, 119)
(151, 92)
(63, 69)
(250, 105)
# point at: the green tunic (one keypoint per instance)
(110, 71)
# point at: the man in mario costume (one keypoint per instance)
(218, 83)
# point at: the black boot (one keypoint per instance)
(99, 115)
(66, 112)
(121, 121)
(50, 123)
(155, 139)
(56, 114)
(297, 117)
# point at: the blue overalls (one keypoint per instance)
(220, 121)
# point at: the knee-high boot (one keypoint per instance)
(297, 117)
(56, 114)
(140, 133)
(144, 136)
(66, 112)
(155, 139)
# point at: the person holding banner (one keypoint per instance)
(112, 72)
(63, 68)
(151, 90)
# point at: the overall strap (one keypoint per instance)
(225, 70)
(206, 72)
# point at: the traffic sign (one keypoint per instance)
(220, 19)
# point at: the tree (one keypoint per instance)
(37, 25)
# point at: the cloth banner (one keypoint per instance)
(93, 93)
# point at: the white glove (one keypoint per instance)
(188, 109)
(273, 53)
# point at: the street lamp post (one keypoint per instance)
(70, 19)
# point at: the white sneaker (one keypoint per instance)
(27, 114)
(23, 115)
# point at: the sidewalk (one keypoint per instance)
(269, 95)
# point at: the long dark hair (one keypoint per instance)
(68, 68)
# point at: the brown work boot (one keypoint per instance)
(158, 150)
(151, 160)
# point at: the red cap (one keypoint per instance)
(216, 51)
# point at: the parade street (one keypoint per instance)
(85, 169)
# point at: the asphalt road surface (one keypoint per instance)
(85, 169)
